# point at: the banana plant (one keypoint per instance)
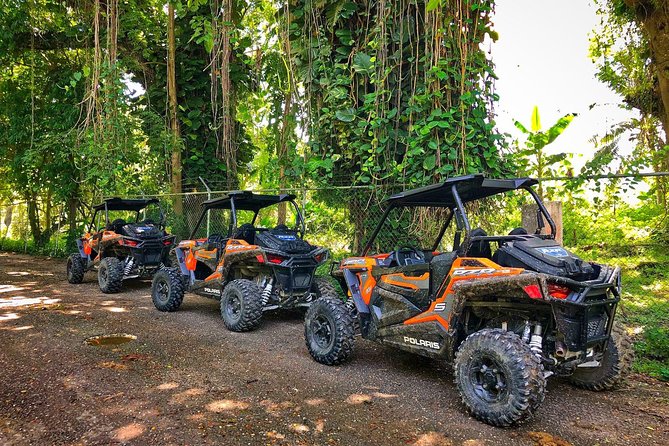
(533, 159)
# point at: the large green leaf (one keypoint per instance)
(432, 5)
(559, 127)
(362, 63)
(345, 115)
(536, 120)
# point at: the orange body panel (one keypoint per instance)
(403, 281)
(363, 266)
(214, 276)
(459, 273)
(234, 245)
(191, 262)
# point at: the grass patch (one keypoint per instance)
(51, 249)
(644, 307)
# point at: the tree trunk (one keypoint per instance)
(33, 219)
(283, 150)
(229, 146)
(176, 179)
(653, 18)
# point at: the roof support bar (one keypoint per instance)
(368, 246)
(543, 210)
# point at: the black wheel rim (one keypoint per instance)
(233, 307)
(321, 331)
(488, 379)
(162, 291)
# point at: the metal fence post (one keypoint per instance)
(208, 198)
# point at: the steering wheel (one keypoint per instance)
(214, 238)
(408, 255)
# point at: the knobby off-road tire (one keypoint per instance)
(615, 364)
(241, 305)
(167, 289)
(329, 330)
(76, 267)
(110, 275)
(500, 380)
(324, 288)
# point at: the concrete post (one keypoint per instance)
(529, 216)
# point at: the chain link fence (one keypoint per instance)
(16, 235)
(339, 218)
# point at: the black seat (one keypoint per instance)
(518, 231)
(439, 269)
(479, 248)
(246, 232)
(116, 225)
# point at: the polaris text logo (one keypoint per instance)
(212, 291)
(422, 343)
(554, 251)
(478, 272)
(236, 247)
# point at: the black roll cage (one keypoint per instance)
(299, 220)
(105, 206)
(462, 222)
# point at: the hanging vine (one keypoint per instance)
(398, 91)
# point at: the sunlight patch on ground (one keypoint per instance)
(10, 288)
(168, 386)
(226, 405)
(384, 395)
(274, 435)
(28, 273)
(315, 401)
(358, 398)
(432, 439)
(116, 309)
(129, 432)
(22, 301)
(8, 317)
(299, 428)
(275, 409)
(23, 327)
(183, 397)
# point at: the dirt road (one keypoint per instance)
(185, 380)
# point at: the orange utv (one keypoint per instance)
(507, 311)
(121, 249)
(246, 260)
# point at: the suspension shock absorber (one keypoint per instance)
(128, 266)
(536, 341)
(267, 292)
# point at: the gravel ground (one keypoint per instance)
(186, 380)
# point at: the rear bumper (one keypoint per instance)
(296, 273)
(151, 252)
(585, 318)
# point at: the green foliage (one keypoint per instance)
(533, 160)
(386, 105)
(621, 48)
